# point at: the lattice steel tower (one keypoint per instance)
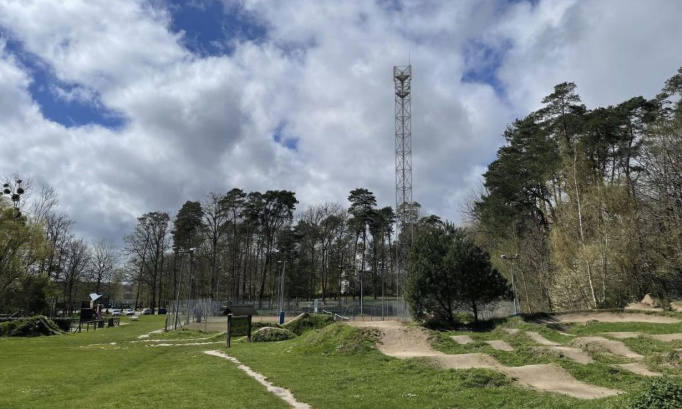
(404, 206)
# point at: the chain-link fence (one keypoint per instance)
(207, 314)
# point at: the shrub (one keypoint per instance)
(272, 334)
(661, 393)
(29, 327)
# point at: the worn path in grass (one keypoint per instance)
(410, 342)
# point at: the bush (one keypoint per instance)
(29, 327)
(272, 334)
(661, 393)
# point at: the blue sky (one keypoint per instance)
(144, 105)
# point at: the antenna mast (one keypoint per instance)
(404, 206)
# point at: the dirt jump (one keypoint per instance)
(411, 342)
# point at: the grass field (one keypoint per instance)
(337, 367)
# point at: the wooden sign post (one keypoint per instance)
(239, 321)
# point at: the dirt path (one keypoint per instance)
(615, 347)
(614, 317)
(410, 342)
(282, 393)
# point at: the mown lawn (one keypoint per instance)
(336, 367)
(86, 370)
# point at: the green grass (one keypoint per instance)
(86, 370)
(334, 367)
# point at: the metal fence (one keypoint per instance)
(201, 311)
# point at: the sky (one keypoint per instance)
(135, 106)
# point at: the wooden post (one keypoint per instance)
(248, 330)
(229, 329)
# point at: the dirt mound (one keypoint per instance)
(615, 347)
(552, 378)
(406, 342)
(651, 301)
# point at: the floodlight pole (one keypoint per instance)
(177, 295)
(283, 264)
(511, 259)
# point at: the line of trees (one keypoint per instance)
(590, 199)
(241, 244)
(44, 265)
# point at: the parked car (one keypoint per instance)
(146, 311)
(116, 312)
(128, 311)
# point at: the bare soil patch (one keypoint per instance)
(462, 339)
(552, 378)
(467, 361)
(575, 354)
(500, 345)
(536, 337)
(615, 347)
(638, 368)
(622, 335)
(511, 331)
(667, 337)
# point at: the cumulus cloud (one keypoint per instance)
(305, 103)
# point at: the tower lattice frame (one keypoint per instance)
(404, 205)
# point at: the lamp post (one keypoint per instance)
(282, 264)
(511, 259)
(324, 272)
(383, 269)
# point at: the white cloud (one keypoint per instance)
(321, 76)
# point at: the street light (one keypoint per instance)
(282, 264)
(511, 258)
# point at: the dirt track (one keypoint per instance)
(614, 317)
(409, 342)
